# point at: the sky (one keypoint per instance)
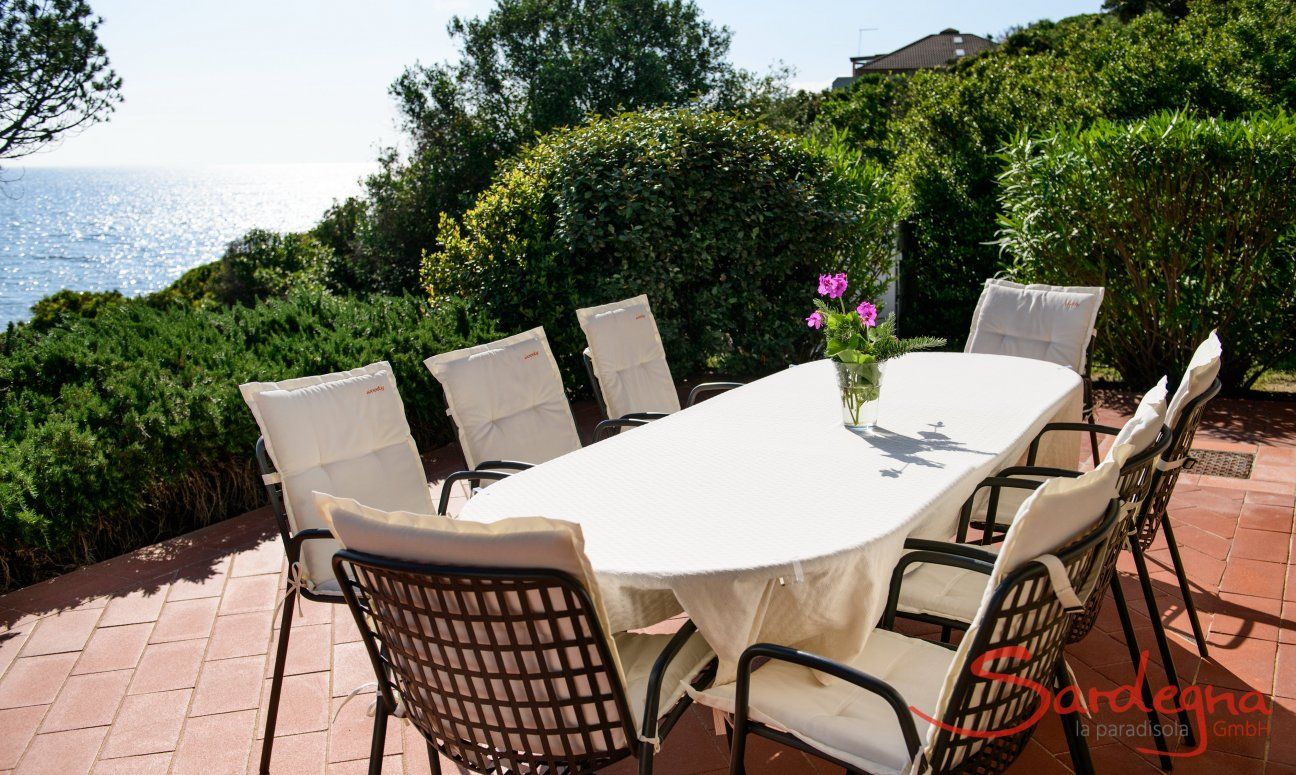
(275, 81)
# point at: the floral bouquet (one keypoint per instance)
(859, 345)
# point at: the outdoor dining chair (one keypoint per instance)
(948, 594)
(508, 406)
(1198, 386)
(343, 433)
(493, 640)
(626, 363)
(1052, 323)
(1049, 564)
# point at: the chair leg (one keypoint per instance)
(1131, 641)
(434, 759)
(738, 748)
(1090, 417)
(646, 759)
(276, 680)
(1071, 726)
(1184, 589)
(379, 738)
(1158, 633)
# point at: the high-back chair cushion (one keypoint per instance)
(1058, 512)
(1202, 371)
(629, 359)
(1141, 430)
(343, 433)
(1043, 322)
(507, 400)
(532, 543)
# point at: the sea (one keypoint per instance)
(136, 229)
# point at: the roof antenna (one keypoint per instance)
(859, 43)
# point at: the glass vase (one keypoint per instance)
(860, 386)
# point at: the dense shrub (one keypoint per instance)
(722, 224)
(118, 430)
(1224, 58)
(65, 304)
(1189, 223)
(265, 263)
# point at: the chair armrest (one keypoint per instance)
(472, 477)
(658, 674)
(996, 483)
(1040, 471)
(495, 465)
(644, 416)
(869, 683)
(304, 535)
(1086, 427)
(933, 553)
(603, 427)
(709, 387)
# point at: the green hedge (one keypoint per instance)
(723, 224)
(124, 428)
(1189, 223)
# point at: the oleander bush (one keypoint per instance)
(1190, 223)
(719, 221)
(122, 429)
(1224, 58)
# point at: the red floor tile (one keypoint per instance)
(304, 705)
(167, 666)
(150, 764)
(114, 648)
(62, 753)
(147, 723)
(228, 685)
(185, 620)
(309, 649)
(215, 745)
(303, 754)
(248, 594)
(143, 605)
(65, 631)
(1253, 577)
(19, 725)
(35, 680)
(240, 635)
(87, 701)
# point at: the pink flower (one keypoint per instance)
(816, 319)
(867, 313)
(832, 285)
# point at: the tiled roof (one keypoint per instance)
(932, 51)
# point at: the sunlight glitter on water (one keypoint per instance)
(137, 229)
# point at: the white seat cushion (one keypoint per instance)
(639, 652)
(341, 433)
(843, 720)
(507, 400)
(1043, 322)
(629, 359)
(942, 590)
(1202, 371)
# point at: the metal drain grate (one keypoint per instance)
(1235, 465)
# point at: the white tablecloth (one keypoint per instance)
(765, 519)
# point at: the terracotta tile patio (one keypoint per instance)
(155, 662)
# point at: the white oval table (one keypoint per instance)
(762, 517)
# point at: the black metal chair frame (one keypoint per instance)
(993, 755)
(1133, 488)
(292, 547)
(452, 584)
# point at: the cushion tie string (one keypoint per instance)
(1080, 697)
(274, 477)
(399, 712)
(1061, 582)
(654, 741)
(296, 584)
(918, 764)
